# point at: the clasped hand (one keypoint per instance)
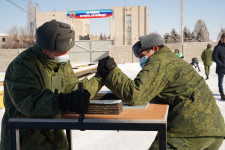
(105, 66)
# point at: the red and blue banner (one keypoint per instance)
(85, 14)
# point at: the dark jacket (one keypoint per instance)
(219, 57)
(165, 78)
(29, 86)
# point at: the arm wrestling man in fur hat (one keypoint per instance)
(194, 119)
(40, 82)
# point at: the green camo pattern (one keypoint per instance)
(167, 79)
(207, 56)
(29, 86)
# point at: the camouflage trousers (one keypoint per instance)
(207, 69)
(202, 143)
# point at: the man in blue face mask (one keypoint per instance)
(194, 119)
(146, 47)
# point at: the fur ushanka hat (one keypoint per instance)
(146, 42)
(55, 36)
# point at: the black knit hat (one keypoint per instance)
(55, 36)
(146, 42)
(223, 36)
(209, 45)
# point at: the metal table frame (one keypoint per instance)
(88, 124)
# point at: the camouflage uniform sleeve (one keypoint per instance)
(24, 89)
(93, 85)
(149, 82)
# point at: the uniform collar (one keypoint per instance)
(45, 59)
(163, 50)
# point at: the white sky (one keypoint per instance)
(163, 14)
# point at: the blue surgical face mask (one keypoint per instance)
(143, 61)
(62, 58)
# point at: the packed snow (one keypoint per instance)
(132, 140)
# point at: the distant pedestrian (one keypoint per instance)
(194, 62)
(219, 58)
(207, 60)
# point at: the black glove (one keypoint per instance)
(105, 65)
(75, 101)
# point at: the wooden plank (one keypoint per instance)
(1, 92)
(1, 101)
(84, 69)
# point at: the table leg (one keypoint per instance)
(69, 137)
(17, 139)
(162, 139)
(12, 139)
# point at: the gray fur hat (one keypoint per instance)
(146, 42)
(55, 36)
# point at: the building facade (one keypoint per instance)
(80, 26)
(128, 23)
(3, 39)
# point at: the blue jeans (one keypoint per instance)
(220, 83)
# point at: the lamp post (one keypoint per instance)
(182, 32)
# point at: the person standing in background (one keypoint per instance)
(219, 58)
(207, 60)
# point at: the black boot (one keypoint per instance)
(207, 77)
(222, 96)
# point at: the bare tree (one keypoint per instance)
(222, 30)
(12, 40)
(24, 37)
(101, 37)
(104, 37)
(18, 38)
(31, 20)
(201, 32)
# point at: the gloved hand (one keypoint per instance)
(105, 65)
(75, 101)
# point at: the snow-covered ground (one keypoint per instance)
(132, 140)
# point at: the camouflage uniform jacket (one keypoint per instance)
(166, 79)
(29, 86)
(207, 57)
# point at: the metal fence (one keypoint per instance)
(92, 51)
(89, 51)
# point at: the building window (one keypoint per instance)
(3, 39)
(128, 29)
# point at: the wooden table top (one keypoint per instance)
(154, 113)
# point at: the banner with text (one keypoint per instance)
(85, 14)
